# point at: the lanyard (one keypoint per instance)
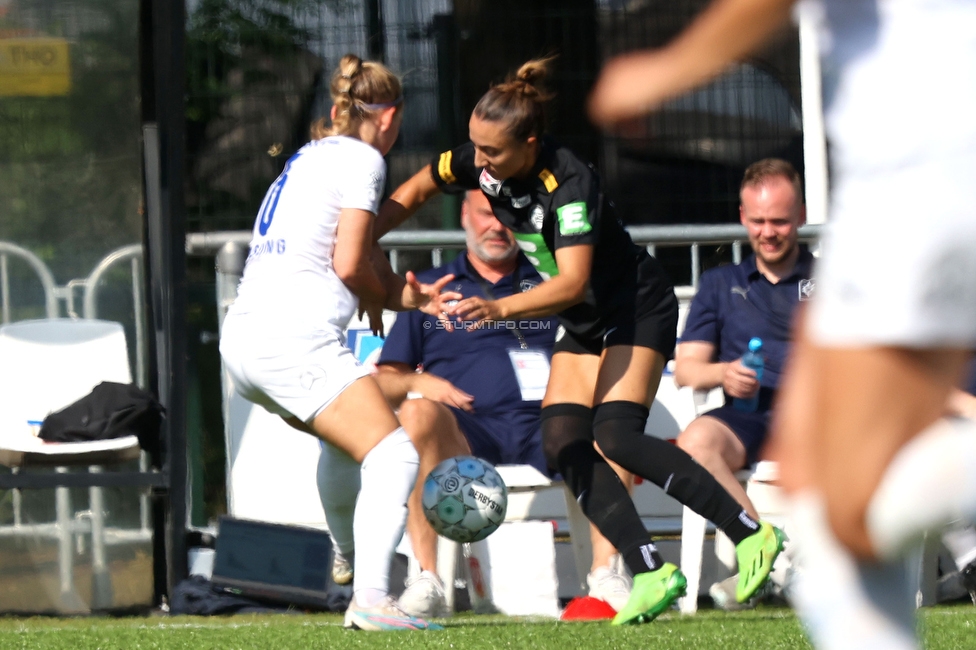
(516, 288)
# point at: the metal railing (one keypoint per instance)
(44, 274)
(229, 249)
(133, 254)
(438, 241)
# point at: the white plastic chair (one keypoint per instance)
(760, 484)
(46, 365)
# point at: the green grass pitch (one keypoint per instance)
(944, 628)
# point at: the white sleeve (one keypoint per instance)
(365, 180)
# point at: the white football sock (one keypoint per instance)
(338, 482)
(844, 604)
(961, 542)
(929, 483)
(388, 474)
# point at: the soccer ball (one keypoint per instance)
(464, 499)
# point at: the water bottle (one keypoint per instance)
(753, 359)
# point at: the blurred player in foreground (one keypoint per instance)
(866, 455)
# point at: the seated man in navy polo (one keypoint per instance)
(474, 400)
(734, 303)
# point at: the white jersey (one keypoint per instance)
(899, 252)
(899, 81)
(289, 277)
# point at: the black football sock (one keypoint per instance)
(618, 428)
(568, 444)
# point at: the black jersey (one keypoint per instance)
(559, 203)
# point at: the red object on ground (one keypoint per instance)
(587, 608)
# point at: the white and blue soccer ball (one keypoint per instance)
(465, 499)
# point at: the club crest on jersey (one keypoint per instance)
(519, 202)
(375, 185)
(525, 285)
(490, 186)
(537, 216)
(806, 289)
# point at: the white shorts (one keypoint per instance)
(291, 375)
(899, 259)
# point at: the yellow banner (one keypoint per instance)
(34, 67)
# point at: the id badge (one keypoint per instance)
(532, 372)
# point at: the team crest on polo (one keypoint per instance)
(537, 216)
(519, 202)
(489, 185)
(525, 285)
(806, 288)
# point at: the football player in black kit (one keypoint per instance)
(618, 317)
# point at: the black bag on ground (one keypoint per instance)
(111, 410)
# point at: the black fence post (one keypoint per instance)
(162, 34)
(375, 36)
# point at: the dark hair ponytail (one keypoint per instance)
(519, 102)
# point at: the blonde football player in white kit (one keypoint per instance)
(865, 452)
(309, 269)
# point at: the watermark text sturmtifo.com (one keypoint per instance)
(490, 325)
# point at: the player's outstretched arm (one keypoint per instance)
(428, 298)
(404, 201)
(550, 297)
(634, 84)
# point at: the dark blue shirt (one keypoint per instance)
(476, 361)
(736, 302)
(970, 384)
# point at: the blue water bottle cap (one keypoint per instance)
(755, 344)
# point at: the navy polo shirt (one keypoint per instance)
(970, 384)
(736, 302)
(476, 361)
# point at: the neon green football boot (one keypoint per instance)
(652, 594)
(756, 555)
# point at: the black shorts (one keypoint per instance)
(749, 427)
(645, 316)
